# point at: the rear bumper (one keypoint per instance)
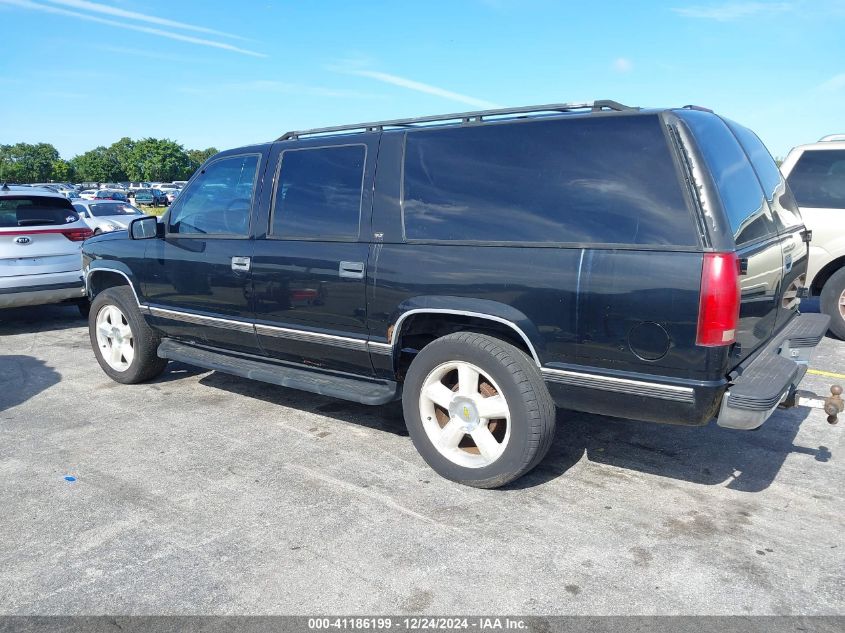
(33, 290)
(763, 381)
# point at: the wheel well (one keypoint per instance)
(99, 280)
(418, 330)
(824, 274)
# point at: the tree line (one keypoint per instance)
(148, 159)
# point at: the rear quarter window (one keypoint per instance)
(35, 211)
(609, 180)
(818, 179)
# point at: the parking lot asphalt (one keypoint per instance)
(201, 493)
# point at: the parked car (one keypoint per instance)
(88, 194)
(170, 193)
(110, 194)
(104, 216)
(816, 175)
(40, 242)
(150, 197)
(607, 259)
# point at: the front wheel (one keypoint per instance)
(833, 302)
(125, 346)
(477, 409)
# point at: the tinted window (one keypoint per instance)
(736, 182)
(35, 211)
(106, 209)
(818, 179)
(319, 193)
(219, 199)
(782, 203)
(595, 180)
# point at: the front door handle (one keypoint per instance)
(351, 270)
(241, 264)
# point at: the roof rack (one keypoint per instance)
(832, 137)
(461, 117)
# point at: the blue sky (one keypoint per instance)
(80, 73)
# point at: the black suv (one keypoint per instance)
(484, 267)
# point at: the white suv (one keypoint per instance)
(816, 175)
(41, 239)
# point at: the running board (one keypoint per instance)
(355, 389)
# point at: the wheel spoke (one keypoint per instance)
(451, 435)
(439, 394)
(116, 353)
(104, 330)
(493, 407)
(488, 446)
(127, 351)
(467, 380)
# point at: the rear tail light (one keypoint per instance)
(78, 235)
(718, 309)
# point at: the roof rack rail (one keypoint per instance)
(832, 137)
(462, 117)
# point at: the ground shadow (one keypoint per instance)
(22, 377)
(40, 319)
(709, 455)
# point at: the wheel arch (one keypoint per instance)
(827, 271)
(101, 277)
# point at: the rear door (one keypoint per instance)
(309, 268)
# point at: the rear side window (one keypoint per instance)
(35, 211)
(782, 202)
(318, 195)
(218, 200)
(581, 180)
(818, 179)
(739, 190)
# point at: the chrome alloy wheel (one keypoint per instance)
(842, 305)
(465, 414)
(114, 338)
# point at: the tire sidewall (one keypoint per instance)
(113, 297)
(830, 302)
(443, 351)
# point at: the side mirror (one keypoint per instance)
(144, 228)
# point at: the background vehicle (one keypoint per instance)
(106, 215)
(110, 194)
(88, 194)
(170, 193)
(40, 241)
(619, 261)
(816, 175)
(151, 197)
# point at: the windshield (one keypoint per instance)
(35, 211)
(107, 209)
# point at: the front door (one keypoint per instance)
(198, 277)
(309, 269)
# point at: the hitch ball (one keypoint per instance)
(833, 404)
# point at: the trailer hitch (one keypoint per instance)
(832, 405)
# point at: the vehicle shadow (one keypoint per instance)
(22, 377)
(45, 318)
(747, 461)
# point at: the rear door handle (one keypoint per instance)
(351, 270)
(241, 264)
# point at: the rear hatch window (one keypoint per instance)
(818, 179)
(24, 211)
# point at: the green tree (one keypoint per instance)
(158, 159)
(122, 151)
(98, 165)
(62, 171)
(198, 157)
(26, 162)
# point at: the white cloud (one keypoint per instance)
(728, 11)
(95, 7)
(623, 65)
(27, 4)
(834, 84)
(418, 86)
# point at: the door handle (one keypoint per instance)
(351, 270)
(241, 264)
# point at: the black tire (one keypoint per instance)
(532, 411)
(831, 295)
(145, 364)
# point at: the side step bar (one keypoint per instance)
(355, 389)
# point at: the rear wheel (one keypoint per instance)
(833, 302)
(477, 409)
(125, 346)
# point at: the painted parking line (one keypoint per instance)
(829, 374)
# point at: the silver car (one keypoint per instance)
(41, 239)
(104, 216)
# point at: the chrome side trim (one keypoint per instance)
(312, 337)
(398, 325)
(625, 385)
(90, 271)
(197, 319)
(380, 348)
